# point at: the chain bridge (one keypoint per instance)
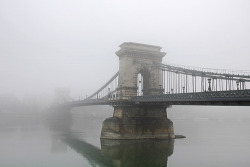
(144, 87)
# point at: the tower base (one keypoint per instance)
(138, 122)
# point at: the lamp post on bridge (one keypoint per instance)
(161, 92)
(209, 84)
(237, 83)
(121, 92)
(139, 88)
(109, 93)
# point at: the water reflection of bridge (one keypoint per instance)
(121, 153)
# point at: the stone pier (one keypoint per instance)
(138, 122)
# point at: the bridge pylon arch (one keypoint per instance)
(143, 82)
(135, 58)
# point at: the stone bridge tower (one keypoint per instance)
(137, 121)
(140, 59)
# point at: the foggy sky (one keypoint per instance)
(46, 44)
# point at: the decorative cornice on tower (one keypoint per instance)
(132, 49)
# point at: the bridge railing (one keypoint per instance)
(200, 96)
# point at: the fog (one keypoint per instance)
(71, 44)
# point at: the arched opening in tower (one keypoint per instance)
(139, 85)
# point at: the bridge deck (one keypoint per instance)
(237, 97)
(224, 98)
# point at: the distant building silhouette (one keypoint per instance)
(62, 95)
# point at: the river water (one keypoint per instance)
(215, 136)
